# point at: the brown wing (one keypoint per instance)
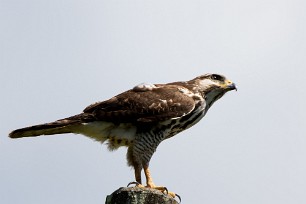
(150, 105)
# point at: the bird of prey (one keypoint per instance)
(141, 118)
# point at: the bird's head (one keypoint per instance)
(213, 86)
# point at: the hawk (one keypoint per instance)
(141, 118)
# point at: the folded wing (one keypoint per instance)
(161, 103)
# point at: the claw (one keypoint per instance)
(133, 182)
(166, 189)
(179, 197)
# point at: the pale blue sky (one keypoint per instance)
(57, 57)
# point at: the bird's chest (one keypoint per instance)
(178, 125)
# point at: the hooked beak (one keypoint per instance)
(232, 86)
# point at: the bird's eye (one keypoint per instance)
(217, 77)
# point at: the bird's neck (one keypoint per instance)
(211, 97)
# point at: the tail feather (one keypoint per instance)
(57, 127)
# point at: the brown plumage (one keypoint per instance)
(141, 118)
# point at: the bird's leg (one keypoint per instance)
(137, 171)
(138, 175)
(149, 179)
(150, 183)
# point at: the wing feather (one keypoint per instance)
(161, 103)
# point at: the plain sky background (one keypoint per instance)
(57, 57)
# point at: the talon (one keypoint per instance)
(179, 197)
(165, 189)
(133, 182)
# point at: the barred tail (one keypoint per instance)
(67, 125)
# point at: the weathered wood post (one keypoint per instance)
(136, 195)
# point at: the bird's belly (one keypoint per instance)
(116, 134)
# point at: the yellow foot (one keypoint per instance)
(163, 189)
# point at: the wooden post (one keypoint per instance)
(136, 195)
